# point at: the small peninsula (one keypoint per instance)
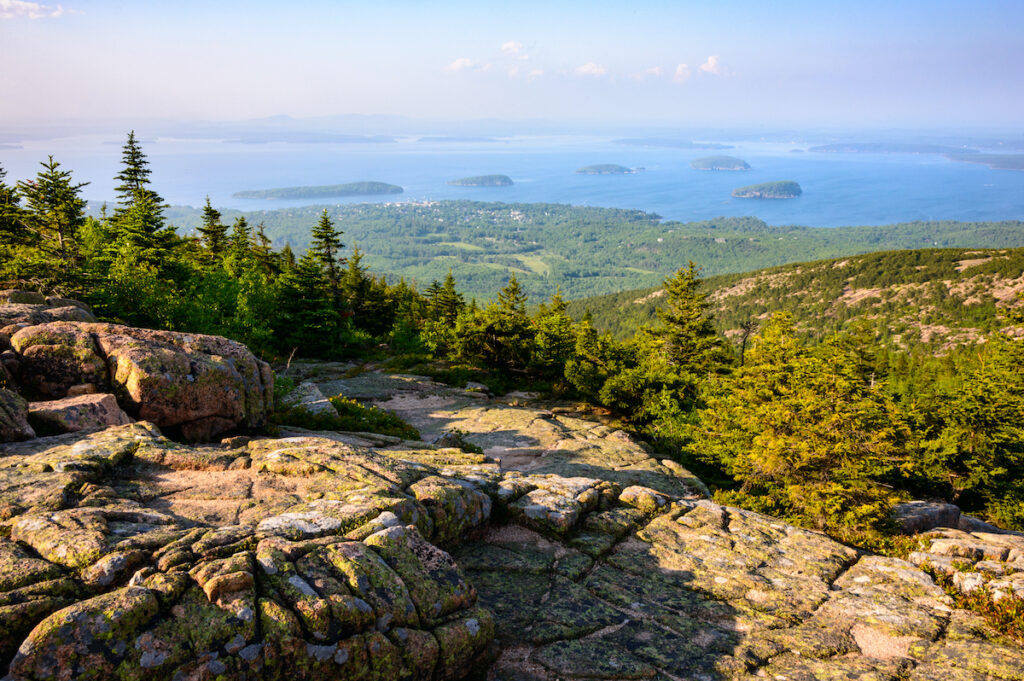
(483, 181)
(786, 189)
(719, 163)
(321, 192)
(607, 169)
(996, 161)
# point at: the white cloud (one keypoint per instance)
(513, 72)
(653, 72)
(715, 67)
(460, 64)
(512, 47)
(18, 9)
(682, 74)
(591, 69)
(535, 73)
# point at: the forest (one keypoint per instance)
(829, 429)
(585, 250)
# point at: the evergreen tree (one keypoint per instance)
(134, 179)
(689, 338)
(213, 232)
(263, 251)
(54, 212)
(307, 320)
(11, 228)
(240, 240)
(554, 339)
(803, 434)
(447, 302)
(326, 248)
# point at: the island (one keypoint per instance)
(483, 181)
(786, 189)
(321, 192)
(669, 143)
(888, 148)
(607, 169)
(719, 163)
(997, 161)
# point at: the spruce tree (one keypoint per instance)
(134, 178)
(212, 231)
(11, 228)
(54, 212)
(326, 248)
(240, 241)
(689, 339)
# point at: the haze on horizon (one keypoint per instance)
(723, 63)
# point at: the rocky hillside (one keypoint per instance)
(514, 541)
(936, 297)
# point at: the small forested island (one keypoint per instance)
(669, 143)
(321, 192)
(786, 189)
(607, 169)
(483, 181)
(719, 163)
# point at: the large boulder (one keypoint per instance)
(913, 517)
(200, 385)
(19, 309)
(72, 414)
(14, 417)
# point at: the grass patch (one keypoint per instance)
(351, 417)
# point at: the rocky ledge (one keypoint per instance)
(563, 551)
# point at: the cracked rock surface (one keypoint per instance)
(564, 551)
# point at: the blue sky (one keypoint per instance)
(778, 63)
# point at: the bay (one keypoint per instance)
(839, 189)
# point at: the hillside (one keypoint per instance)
(935, 297)
(585, 250)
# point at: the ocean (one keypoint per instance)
(838, 189)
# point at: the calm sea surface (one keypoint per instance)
(839, 189)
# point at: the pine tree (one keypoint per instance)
(213, 232)
(54, 212)
(134, 179)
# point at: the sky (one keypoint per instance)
(774, 63)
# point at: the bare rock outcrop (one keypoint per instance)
(565, 551)
(196, 384)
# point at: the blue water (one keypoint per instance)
(839, 189)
